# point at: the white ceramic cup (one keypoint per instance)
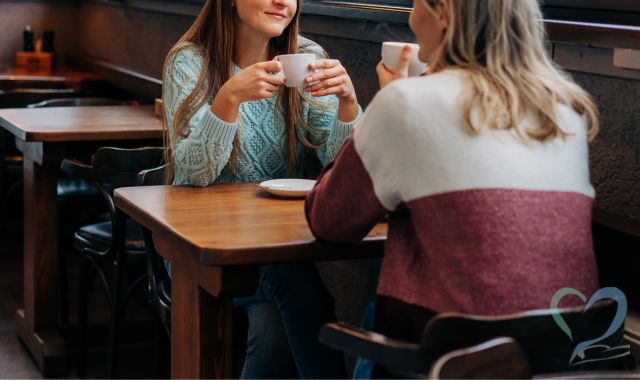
(391, 56)
(295, 68)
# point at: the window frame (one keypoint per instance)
(393, 11)
(623, 12)
(611, 5)
(619, 12)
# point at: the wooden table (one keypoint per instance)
(215, 238)
(46, 136)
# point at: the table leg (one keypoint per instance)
(201, 326)
(37, 322)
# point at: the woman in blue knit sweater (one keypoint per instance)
(230, 119)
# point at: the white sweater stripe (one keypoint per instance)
(403, 154)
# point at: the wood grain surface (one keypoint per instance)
(82, 123)
(235, 224)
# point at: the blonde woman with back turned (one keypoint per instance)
(482, 165)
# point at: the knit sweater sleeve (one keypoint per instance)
(346, 191)
(329, 132)
(343, 205)
(200, 156)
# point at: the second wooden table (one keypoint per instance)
(46, 136)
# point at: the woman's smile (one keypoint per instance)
(276, 15)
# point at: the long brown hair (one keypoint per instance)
(500, 46)
(212, 35)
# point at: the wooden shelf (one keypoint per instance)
(591, 34)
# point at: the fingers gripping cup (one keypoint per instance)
(391, 57)
(295, 68)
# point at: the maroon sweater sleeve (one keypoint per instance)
(343, 205)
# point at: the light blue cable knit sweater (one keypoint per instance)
(201, 156)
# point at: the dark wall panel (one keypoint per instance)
(132, 38)
(61, 18)
(359, 58)
(615, 154)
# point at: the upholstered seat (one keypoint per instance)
(98, 236)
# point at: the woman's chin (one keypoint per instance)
(274, 31)
(423, 56)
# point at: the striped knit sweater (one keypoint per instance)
(478, 223)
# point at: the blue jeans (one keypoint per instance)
(364, 367)
(285, 316)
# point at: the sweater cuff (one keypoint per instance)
(213, 128)
(343, 130)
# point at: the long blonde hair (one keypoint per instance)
(212, 34)
(500, 46)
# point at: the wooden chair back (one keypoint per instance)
(500, 358)
(154, 176)
(120, 167)
(111, 168)
(21, 97)
(546, 346)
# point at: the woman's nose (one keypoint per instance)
(280, 3)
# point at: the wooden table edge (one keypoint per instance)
(137, 214)
(272, 254)
(9, 127)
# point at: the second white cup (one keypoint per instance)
(391, 56)
(295, 68)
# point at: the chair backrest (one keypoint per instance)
(115, 166)
(155, 176)
(158, 278)
(81, 102)
(500, 358)
(21, 97)
(546, 346)
(120, 167)
(111, 168)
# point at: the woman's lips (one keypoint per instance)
(276, 15)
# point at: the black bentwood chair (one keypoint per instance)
(158, 280)
(107, 248)
(543, 344)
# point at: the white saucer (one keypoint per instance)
(290, 187)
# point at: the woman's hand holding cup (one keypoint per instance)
(386, 76)
(330, 79)
(253, 83)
